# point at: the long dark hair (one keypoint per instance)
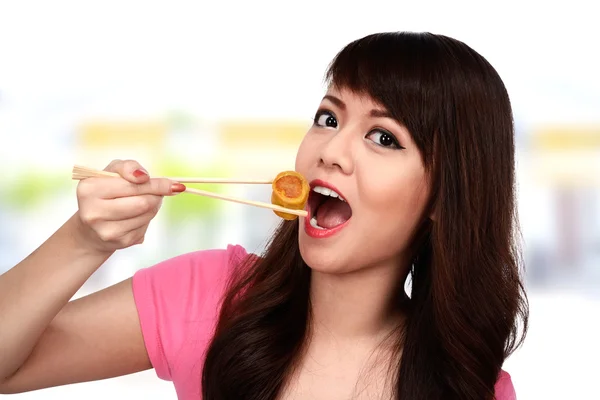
(466, 298)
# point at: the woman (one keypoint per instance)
(411, 165)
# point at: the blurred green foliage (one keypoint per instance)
(33, 188)
(187, 206)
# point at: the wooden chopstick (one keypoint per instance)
(80, 172)
(220, 180)
(300, 213)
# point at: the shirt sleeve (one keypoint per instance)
(178, 301)
(504, 387)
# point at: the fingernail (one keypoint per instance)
(140, 172)
(177, 187)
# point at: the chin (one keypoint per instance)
(319, 257)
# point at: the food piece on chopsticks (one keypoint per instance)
(290, 190)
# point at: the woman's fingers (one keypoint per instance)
(121, 208)
(116, 211)
(112, 188)
(130, 170)
(125, 233)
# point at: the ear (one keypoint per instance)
(433, 215)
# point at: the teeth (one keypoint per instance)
(327, 192)
(313, 223)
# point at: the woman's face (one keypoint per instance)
(370, 160)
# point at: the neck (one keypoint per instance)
(360, 304)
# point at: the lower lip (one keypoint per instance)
(321, 233)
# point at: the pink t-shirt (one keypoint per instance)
(178, 302)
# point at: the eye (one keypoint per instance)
(384, 139)
(325, 119)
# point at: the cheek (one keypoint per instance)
(397, 202)
(309, 152)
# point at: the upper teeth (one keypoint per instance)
(327, 192)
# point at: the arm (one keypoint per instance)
(91, 338)
(46, 341)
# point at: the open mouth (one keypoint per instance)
(327, 209)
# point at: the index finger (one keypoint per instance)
(120, 187)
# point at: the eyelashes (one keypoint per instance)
(384, 138)
(325, 119)
(381, 137)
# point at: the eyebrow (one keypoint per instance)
(375, 113)
(380, 114)
(335, 101)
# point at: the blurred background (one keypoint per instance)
(229, 88)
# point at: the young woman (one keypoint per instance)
(411, 165)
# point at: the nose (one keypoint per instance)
(336, 152)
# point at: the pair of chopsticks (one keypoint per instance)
(81, 172)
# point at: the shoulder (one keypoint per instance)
(504, 388)
(178, 302)
(187, 279)
(212, 263)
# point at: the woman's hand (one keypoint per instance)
(45, 339)
(114, 213)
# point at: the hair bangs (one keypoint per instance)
(403, 80)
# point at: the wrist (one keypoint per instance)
(80, 238)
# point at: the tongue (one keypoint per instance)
(333, 212)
